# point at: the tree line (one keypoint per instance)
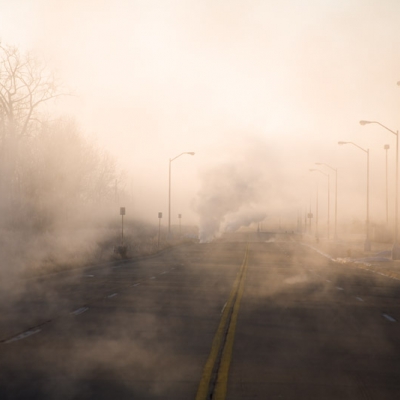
(50, 172)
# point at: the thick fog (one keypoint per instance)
(225, 108)
(259, 91)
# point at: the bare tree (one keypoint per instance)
(63, 172)
(25, 85)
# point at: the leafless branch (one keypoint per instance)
(25, 84)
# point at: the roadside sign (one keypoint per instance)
(122, 211)
(160, 215)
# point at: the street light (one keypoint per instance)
(169, 188)
(386, 147)
(324, 173)
(310, 215)
(396, 247)
(334, 169)
(316, 216)
(367, 243)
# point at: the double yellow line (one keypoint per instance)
(216, 370)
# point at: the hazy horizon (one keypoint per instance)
(152, 79)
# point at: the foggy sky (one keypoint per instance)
(156, 78)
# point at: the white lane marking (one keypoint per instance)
(223, 308)
(112, 295)
(89, 276)
(359, 298)
(311, 270)
(23, 335)
(153, 277)
(389, 318)
(165, 272)
(339, 288)
(80, 310)
(327, 280)
(136, 284)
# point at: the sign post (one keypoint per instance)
(310, 216)
(122, 213)
(159, 228)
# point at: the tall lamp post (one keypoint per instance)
(324, 173)
(396, 247)
(386, 147)
(316, 218)
(367, 243)
(334, 169)
(310, 215)
(169, 188)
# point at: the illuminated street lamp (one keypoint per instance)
(367, 243)
(169, 188)
(334, 169)
(324, 173)
(396, 247)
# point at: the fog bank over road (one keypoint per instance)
(305, 327)
(153, 79)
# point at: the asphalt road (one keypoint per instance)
(267, 320)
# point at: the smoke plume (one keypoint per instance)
(232, 193)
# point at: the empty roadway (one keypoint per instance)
(305, 328)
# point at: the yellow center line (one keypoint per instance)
(223, 371)
(218, 341)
